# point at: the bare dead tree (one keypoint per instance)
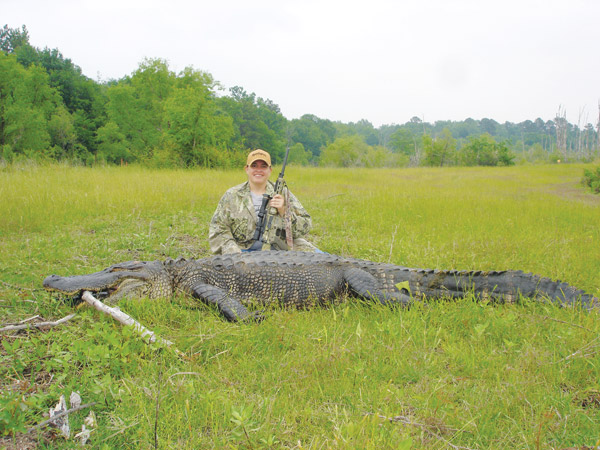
(598, 129)
(561, 130)
(579, 135)
(589, 140)
(582, 150)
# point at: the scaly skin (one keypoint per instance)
(232, 282)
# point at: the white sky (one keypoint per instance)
(380, 60)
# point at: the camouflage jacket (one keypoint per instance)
(234, 222)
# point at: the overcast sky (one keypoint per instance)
(380, 60)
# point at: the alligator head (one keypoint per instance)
(129, 279)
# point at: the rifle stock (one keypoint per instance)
(260, 225)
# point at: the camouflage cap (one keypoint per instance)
(258, 154)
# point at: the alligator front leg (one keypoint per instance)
(232, 309)
(365, 285)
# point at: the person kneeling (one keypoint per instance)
(234, 222)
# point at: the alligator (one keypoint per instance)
(237, 282)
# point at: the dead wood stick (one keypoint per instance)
(127, 320)
(24, 326)
(29, 319)
(59, 415)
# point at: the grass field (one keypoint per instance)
(436, 376)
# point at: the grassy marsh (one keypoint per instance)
(350, 376)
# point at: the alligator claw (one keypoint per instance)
(255, 316)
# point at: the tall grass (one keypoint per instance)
(349, 376)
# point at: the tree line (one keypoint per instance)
(49, 110)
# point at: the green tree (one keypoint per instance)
(385, 133)
(504, 155)
(376, 156)
(439, 151)
(63, 138)
(346, 151)
(13, 38)
(271, 116)
(27, 104)
(126, 110)
(365, 129)
(82, 97)
(164, 118)
(485, 151)
(488, 126)
(195, 128)
(313, 133)
(298, 155)
(136, 105)
(403, 141)
(252, 119)
(112, 146)
(480, 151)
(468, 127)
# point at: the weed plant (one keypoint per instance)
(458, 374)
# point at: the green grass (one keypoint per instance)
(348, 376)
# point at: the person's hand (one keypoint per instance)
(278, 202)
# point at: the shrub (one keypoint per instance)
(591, 179)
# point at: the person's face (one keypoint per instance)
(258, 172)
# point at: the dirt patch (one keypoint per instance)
(590, 400)
(574, 191)
(20, 441)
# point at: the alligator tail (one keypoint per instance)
(498, 286)
(501, 286)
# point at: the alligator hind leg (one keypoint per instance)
(365, 285)
(232, 309)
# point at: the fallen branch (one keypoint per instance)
(127, 320)
(29, 319)
(59, 415)
(24, 326)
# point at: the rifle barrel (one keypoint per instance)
(287, 152)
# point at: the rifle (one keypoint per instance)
(265, 232)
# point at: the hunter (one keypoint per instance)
(234, 222)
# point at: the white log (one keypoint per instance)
(127, 320)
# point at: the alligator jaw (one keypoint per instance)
(115, 282)
(112, 288)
